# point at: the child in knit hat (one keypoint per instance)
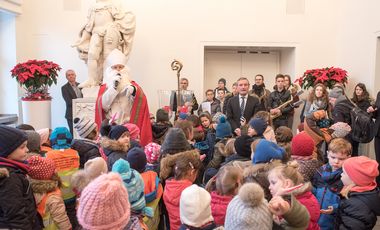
(302, 151)
(18, 207)
(92, 169)
(34, 141)
(46, 185)
(105, 205)
(195, 209)
(223, 187)
(361, 204)
(152, 153)
(86, 146)
(256, 128)
(161, 126)
(286, 180)
(184, 166)
(269, 132)
(327, 181)
(45, 140)
(67, 163)
(135, 186)
(175, 141)
(115, 143)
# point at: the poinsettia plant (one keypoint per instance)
(36, 77)
(328, 76)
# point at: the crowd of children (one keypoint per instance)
(195, 175)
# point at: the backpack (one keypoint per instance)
(362, 126)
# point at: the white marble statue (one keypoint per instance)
(108, 27)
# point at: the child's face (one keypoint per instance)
(205, 122)
(276, 184)
(336, 159)
(346, 179)
(251, 131)
(124, 138)
(20, 154)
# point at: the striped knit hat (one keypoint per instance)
(248, 208)
(135, 186)
(84, 126)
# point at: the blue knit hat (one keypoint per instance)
(116, 131)
(137, 159)
(10, 139)
(267, 151)
(61, 138)
(135, 185)
(223, 128)
(259, 125)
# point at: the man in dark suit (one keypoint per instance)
(70, 91)
(242, 106)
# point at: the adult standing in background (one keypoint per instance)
(221, 85)
(259, 90)
(228, 96)
(188, 99)
(241, 107)
(70, 91)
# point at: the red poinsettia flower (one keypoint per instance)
(327, 76)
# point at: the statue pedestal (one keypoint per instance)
(85, 107)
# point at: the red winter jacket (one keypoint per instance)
(311, 203)
(172, 195)
(219, 205)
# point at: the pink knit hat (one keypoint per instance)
(134, 130)
(152, 152)
(104, 204)
(302, 145)
(41, 168)
(362, 171)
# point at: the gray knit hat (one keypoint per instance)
(336, 92)
(175, 141)
(84, 126)
(34, 141)
(248, 210)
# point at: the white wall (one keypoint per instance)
(168, 29)
(8, 85)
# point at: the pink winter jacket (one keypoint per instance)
(219, 205)
(172, 195)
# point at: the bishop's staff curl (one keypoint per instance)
(177, 66)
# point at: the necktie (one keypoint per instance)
(242, 106)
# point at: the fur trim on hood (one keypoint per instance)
(43, 186)
(254, 170)
(251, 194)
(167, 163)
(113, 145)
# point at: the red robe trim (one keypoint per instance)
(139, 114)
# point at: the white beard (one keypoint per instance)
(111, 75)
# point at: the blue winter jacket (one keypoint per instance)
(326, 188)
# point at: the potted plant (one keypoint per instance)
(36, 77)
(328, 76)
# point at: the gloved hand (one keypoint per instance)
(130, 90)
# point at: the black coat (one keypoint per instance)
(359, 211)
(86, 149)
(233, 110)
(276, 99)
(376, 114)
(68, 95)
(18, 209)
(114, 151)
(341, 111)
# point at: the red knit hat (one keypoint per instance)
(41, 168)
(134, 130)
(302, 144)
(362, 171)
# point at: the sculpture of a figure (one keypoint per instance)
(122, 99)
(108, 27)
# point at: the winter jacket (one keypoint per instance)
(305, 197)
(17, 205)
(359, 211)
(362, 104)
(86, 149)
(215, 107)
(50, 204)
(341, 110)
(219, 205)
(218, 156)
(262, 94)
(159, 130)
(153, 192)
(114, 151)
(172, 194)
(276, 99)
(326, 188)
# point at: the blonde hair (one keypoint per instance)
(340, 145)
(288, 171)
(265, 116)
(226, 181)
(229, 148)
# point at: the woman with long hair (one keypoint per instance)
(361, 97)
(318, 99)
